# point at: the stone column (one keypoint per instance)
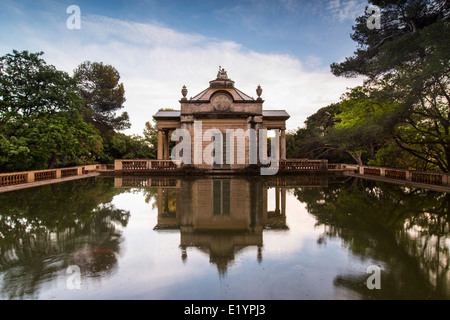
(256, 124)
(160, 144)
(166, 144)
(277, 200)
(254, 154)
(283, 144)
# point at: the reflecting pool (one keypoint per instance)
(295, 237)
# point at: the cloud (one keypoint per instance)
(139, 33)
(155, 61)
(346, 9)
(9, 5)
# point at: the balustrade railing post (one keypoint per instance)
(445, 179)
(118, 165)
(408, 176)
(323, 164)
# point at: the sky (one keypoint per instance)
(157, 46)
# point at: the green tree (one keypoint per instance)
(311, 142)
(410, 57)
(151, 136)
(122, 146)
(363, 124)
(406, 38)
(40, 123)
(103, 96)
(424, 128)
(390, 155)
(99, 85)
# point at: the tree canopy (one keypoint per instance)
(40, 122)
(51, 119)
(412, 33)
(103, 96)
(404, 103)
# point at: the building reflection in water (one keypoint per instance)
(220, 215)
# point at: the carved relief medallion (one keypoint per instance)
(221, 102)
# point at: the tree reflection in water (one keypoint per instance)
(405, 228)
(44, 230)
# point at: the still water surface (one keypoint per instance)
(299, 237)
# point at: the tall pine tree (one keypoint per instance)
(409, 57)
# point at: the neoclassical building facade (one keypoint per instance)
(224, 122)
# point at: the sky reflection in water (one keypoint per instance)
(299, 237)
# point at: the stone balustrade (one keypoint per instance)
(15, 178)
(435, 178)
(303, 164)
(145, 165)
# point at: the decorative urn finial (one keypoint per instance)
(184, 93)
(259, 92)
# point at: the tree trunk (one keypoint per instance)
(356, 157)
(372, 150)
(51, 163)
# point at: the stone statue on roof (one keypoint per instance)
(222, 74)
